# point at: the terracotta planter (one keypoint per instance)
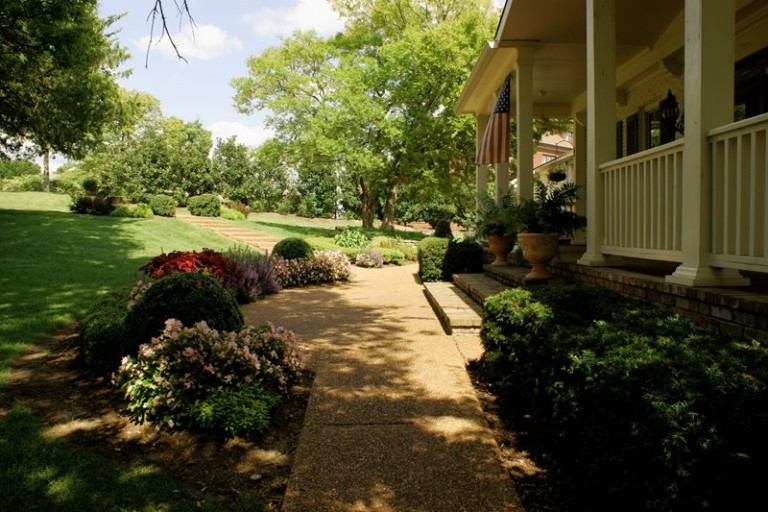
(538, 249)
(500, 246)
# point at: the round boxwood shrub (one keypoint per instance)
(187, 297)
(101, 331)
(162, 205)
(204, 205)
(229, 214)
(292, 248)
(431, 255)
(462, 257)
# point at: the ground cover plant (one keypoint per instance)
(645, 411)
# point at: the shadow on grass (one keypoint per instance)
(46, 475)
(293, 230)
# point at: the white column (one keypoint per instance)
(601, 118)
(580, 172)
(524, 116)
(709, 84)
(481, 171)
(502, 179)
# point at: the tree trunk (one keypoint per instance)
(366, 204)
(388, 218)
(47, 170)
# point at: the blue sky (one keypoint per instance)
(227, 32)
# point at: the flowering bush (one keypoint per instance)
(257, 276)
(184, 367)
(190, 261)
(371, 259)
(326, 267)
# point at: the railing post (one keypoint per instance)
(524, 103)
(710, 29)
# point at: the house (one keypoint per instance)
(669, 99)
(670, 102)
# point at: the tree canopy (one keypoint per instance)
(57, 75)
(374, 105)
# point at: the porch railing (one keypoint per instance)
(643, 204)
(740, 195)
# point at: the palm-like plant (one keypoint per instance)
(497, 217)
(551, 211)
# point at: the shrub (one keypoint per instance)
(188, 297)
(443, 229)
(101, 331)
(181, 377)
(162, 205)
(140, 211)
(324, 267)
(257, 277)
(207, 260)
(409, 251)
(244, 412)
(240, 207)
(649, 411)
(465, 256)
(204, 205)
(370, 259)
(348, 237)
(292, 248)
(229, 214)
(25, 183)
(431, 256)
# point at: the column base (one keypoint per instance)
(707, 276)
(597, 259)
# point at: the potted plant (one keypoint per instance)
(542, 221)
(496, 223)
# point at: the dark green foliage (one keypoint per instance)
(443, 229)
(244, 412)
(292, 248)
(646, 410)
(204, 205)
(94, 199)
(162, 205)
(431, 256)
(188, 297)
(101, 331)
(462, 257)
(551, 211)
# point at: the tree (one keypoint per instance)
(57, 75)
(374, 105)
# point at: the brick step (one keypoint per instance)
(478, 286)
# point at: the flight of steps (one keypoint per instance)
(458, 304)
(229, 230)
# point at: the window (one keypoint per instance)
(547, 158)
(652, 129)
(633, 134)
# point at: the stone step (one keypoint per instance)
(457, 312)
(478, 286)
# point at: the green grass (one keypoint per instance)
(34, 201)
(53, 266)
(289, 226)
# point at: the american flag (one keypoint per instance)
(494, 147)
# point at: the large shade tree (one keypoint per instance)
(374, 105)
(57, 75)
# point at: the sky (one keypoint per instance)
(226, 33)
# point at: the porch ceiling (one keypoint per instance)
(557, 31)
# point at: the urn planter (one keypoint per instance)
(538, 249)
(501, 246)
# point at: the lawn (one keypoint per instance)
(54, 264)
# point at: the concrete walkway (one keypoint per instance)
(393, 422)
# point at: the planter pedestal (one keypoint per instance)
(538, 249)
(501, 246)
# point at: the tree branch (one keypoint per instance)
(159, 10)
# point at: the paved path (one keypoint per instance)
(393, 423)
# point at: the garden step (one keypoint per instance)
(457, 312)
(478, 286)
(242, 235)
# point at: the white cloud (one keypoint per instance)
(245, 134)
(314, 15)
(204, 42)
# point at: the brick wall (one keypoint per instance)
(738, 313)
